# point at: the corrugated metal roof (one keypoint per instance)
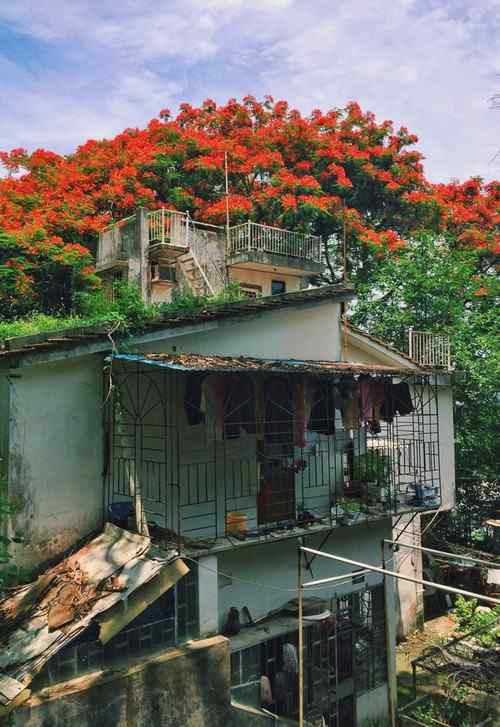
(245, 364)
(37, 620)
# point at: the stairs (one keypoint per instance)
(190, 273)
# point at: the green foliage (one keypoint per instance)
(469, 619)
(449, 709)
(372, 466)
(122, 310)
(433, 286)
(41, 274)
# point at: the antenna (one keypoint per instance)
(344, 245)
(226, 174)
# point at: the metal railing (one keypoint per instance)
(251, 237)
(430, 349)
(169, 227)
(227, 480)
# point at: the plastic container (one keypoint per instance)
(119, 512)
(236, 522)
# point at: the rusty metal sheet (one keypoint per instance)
(105, 571)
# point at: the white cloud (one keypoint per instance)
(428, 64)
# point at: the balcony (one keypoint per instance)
(271, 248)
(215, 453)
(117, 243)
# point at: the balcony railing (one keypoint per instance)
(430, 349)
(168, 227)
(242, 482)
(252, 237)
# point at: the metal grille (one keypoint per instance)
(216, 480)
(344, 658)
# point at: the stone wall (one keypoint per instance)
(188, 687)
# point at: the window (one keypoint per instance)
(163, 273)
(250, 291)
(278, 287)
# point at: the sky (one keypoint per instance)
(71, 70)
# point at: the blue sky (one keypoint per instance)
(72, 70)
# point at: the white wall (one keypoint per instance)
(310, 332)
(409, 596)
(275, 564)
(56, 459)
(446, 446)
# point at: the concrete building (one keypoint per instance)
(230, 437)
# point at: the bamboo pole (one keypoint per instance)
(301, 637)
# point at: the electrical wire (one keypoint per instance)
(348, 577)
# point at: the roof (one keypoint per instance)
(73, 338)
(381, 342)
(245, 364)
(37, 620)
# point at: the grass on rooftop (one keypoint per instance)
(125, 311)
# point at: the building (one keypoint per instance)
(162, 250)
(225, 438)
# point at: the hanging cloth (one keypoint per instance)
(303, 398)
(372, 398)
(212, 402)
(266, 694)
(397, 400)
(290, 659)
(192, 398)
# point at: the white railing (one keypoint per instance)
(207, 248)
(250, 237)
(168, 227)
(430, 349)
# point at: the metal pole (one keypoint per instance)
(301, 637)
(226, 175)
(391, 672)
(377, 569)
(442, 552)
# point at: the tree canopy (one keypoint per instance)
(303, 172)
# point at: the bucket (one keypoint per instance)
(236, 522)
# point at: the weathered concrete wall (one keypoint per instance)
(311, 332)
(186, 687)
(275, 565)
(55, 457)
(409, 596)
(372, 706)
(264, 279)
(446, 446)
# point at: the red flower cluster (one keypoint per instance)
(307, 172)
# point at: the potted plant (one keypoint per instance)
(371, 473)
(351, 511)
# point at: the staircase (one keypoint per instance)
(192, 275)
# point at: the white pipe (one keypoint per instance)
(345, 577)
(377, 569)
(442, 552)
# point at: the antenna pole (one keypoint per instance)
(344, 246)
(226, 174)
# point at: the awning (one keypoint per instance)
(111, 580)
(244, 364)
